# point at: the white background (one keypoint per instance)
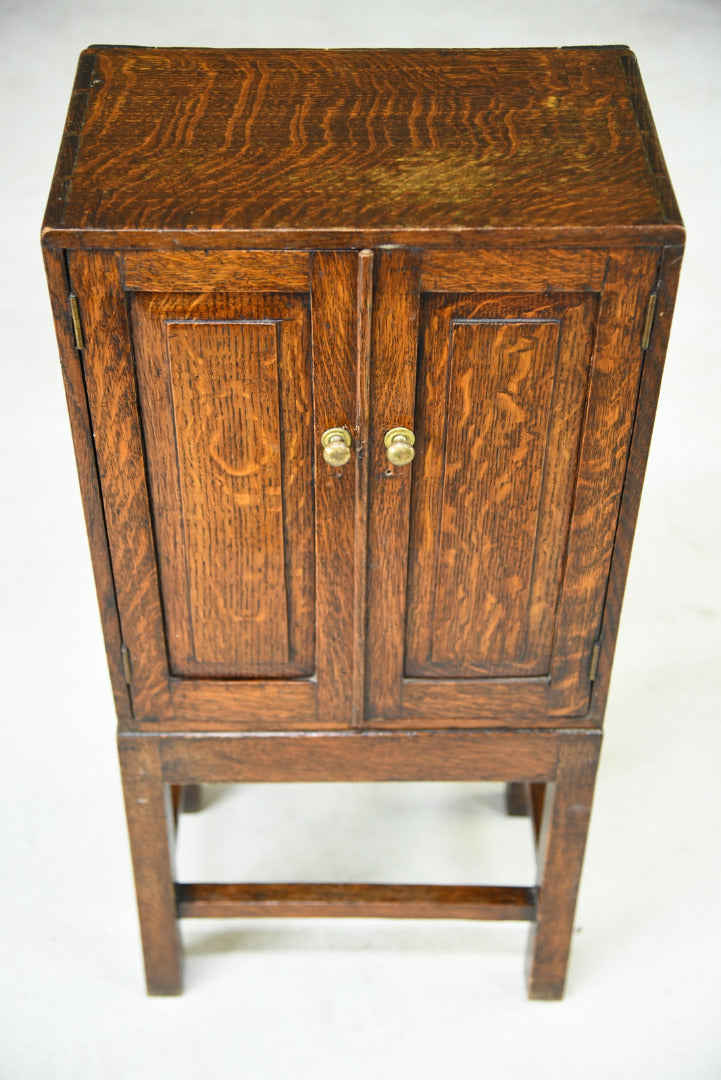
(360, 999)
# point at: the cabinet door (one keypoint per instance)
(489, 554)
(211, 379)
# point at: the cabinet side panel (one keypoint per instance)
(88, 477)
(110, 381)
(612, 399)
(667, 285)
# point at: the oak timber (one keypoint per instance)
(247, 247)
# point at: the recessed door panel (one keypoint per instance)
(501, 389)
(226, 407)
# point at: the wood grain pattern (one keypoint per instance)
(366, 901)
(334, 298)
(360, 756)
(84, 446)
(268, 243)
(226, 399)
(605, 443)
(649, 137)
(237, 704)
(204, 271)
(502, 385)
(110, 381)
(334, 292)
(227, 139)
(666, 287)
(562, 843)
(574, 614)
(228, 440)
(67, 154)
(512, 239)
(392, 393)
(364, 316)
(150, 828)
(488, 527)
(517, 701)
(487, 268)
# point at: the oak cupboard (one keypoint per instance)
(362, 350)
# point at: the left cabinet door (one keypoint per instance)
(211, 379)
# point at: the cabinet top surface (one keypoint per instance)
(375, 140)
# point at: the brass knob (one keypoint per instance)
(336, 443)
(399, 446)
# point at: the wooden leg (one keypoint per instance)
(191, 801)
(526, 800)
(185, 799)
(537, 797)
(562, 841)
(176, 798)
(517, 800)
(150, 825)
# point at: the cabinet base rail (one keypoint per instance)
(356, 900)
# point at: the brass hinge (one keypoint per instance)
(77, 325)
(648, 321)
(127, 670)
(593, 666)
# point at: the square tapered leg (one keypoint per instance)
(561, 845)
(149, 814)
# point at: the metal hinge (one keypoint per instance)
(127, 670)
(648, 320)
(593, 666)
(77, 325)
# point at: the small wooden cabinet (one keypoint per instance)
(362, 350)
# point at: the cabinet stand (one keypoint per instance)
(556, 790)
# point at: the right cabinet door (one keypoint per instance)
(489, 554)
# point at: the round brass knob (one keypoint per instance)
(399, 445)
(336, 443)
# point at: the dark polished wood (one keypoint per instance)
(561, 844)
(264, 244)
(367, 901)
(650, 384)
(493, 480)
(283, 757)
(527, 800)
(192, 801)
(396, 301)
(194, 271)
(238, 594)
(517, 800)
(149, 812)
(209, 140)
(85, 456)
